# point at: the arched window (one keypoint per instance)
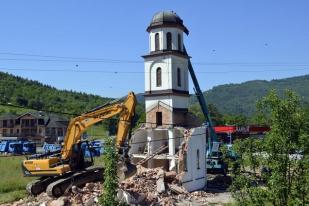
(157, 42)
(159, 77)
(178, 77)
(168, 41)
(179, 42)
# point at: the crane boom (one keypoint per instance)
(202, 102)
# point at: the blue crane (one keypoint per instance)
(214, 160)
(212, 137)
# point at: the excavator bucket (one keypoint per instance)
(125, 170)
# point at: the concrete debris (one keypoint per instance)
(146, 187)
(177, 189)
(160, 182)
(62, 201)
(86, 196)
(156, 187)
(170, 177)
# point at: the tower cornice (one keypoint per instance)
(164, 92)
(166, 52)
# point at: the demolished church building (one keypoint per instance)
(172, 137)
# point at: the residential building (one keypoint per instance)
(35, 126)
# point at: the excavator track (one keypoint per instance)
(60, 186)
(38, 186)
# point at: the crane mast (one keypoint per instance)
(202, 101)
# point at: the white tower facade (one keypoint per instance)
(166, 72)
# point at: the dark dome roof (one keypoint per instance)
(167, 19)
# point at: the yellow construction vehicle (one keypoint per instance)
(59, 171)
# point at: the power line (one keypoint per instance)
(142, 72)
(85, 114)
(108, 60)
(114, 61)
(73, 58)
(71, 70)
(29, 108)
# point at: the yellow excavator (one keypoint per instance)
(59, 171)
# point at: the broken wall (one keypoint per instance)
(149, 140)
(156, 138)
(138, 141)
(192, 159)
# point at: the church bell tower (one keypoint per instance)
(166, 72)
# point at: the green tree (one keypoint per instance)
(283, 155)
(237, 120)
(215, 115)
(140, 115)
(110, 185)
(22, 101)
(196, 110)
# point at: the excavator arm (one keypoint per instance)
(79, 124)
(58, 172)
(66, 161)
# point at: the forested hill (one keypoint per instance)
(228, 98)
(242, 98)
(33, 94)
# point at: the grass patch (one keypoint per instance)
(12, 181)
(12, 196)
(98, 161)
(9, 109)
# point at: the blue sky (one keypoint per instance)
(229, 41)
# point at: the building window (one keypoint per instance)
(159, 118)
(179, 42)
(157, 42)
(159, 77)
(26, 122)
(169, 41)
(60, 132)
(17, 131)
(53, 131)
(185, 162)
(11, 123)
(178, 77)
(5, 123)
(198, 159)
(47, 131)
(41, 121)
(32, 122)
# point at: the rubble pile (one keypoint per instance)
(146, 187)
(87, 196)
(153, 186)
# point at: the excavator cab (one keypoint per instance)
(79, 160)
